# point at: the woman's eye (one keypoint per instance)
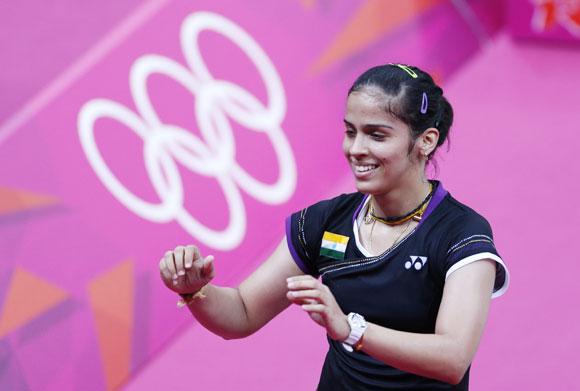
(349, 133)
(378, 136)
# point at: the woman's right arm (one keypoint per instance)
(230, 312)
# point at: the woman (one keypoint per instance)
(407, 271)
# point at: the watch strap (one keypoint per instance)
(358, 326)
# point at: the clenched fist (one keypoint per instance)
(184, 271)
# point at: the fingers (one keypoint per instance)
(303, 296)
(165, 273)
(317, 300)
(184, 270)
(306, 290)
(198, 262)
(178, 259)
(188, 255)
(207, 270)
(167, 269)
(316, 308)
(196, 254)
(184, 258)
(302, 282)
(170, 264)
(303, 277)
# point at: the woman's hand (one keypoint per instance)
(184, 271)
(316, 299)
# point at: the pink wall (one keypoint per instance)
(84, 221)
(549, 20)
(513, 156)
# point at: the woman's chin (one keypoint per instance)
(365, 187)
(370, 188)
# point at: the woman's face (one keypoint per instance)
(376, 144)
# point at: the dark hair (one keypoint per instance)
(415, 98)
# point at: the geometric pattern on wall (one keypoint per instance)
(12, 376)
(28, 297)
(112, 300)
(373, 20)
(12, 200)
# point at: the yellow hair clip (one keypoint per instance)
(407, 69)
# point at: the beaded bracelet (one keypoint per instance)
(188, 298)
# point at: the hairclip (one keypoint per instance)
(406, 69)
(424, 103)
(437, 120)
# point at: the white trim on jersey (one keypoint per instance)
(479, 257)
(357, 222)
(465, 261)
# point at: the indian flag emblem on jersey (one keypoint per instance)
(333, 245)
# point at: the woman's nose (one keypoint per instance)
(358, 146)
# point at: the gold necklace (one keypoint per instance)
(416, 214)
(399, 237)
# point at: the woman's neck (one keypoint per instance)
(401, 200)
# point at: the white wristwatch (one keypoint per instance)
(358, 325)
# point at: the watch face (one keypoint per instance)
(357, 320)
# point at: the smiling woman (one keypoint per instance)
(396, 117)
(407, 271)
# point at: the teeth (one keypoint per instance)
(365, 168)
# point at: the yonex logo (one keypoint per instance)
(416, 262)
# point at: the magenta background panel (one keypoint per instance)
(511, 156)
(551, 20)
(187, 145)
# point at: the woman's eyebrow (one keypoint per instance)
(375, 126)
(369, 126)
(348, 123)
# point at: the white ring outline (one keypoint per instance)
(217, 101)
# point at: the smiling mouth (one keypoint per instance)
(364, 169)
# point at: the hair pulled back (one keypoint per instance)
(412, 97)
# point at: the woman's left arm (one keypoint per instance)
(444, 355)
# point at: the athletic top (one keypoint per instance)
(400, 289)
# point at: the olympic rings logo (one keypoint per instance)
(217, 102)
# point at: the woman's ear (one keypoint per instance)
(427, 141)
